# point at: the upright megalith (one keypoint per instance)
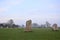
(28, 26)
(55, 27)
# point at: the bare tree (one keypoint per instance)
(47, 24)
(10, 23)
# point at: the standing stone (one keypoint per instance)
(55, 27)
(28, 26)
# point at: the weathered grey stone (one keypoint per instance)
(55, 27)
(28, 26)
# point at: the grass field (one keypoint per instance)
(36, 34)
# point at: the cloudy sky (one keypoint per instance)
(39, 11)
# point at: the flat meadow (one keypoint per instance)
(36, 34)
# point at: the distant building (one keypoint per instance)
(35, 25)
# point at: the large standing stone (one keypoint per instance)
(55, 27)
(28, 26)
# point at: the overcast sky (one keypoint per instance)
(39, 11)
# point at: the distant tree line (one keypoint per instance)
(46, 25)
(9, 24)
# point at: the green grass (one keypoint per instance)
(36, 34)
